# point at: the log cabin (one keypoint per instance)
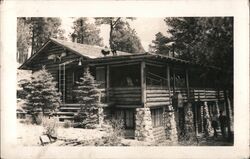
(129, 81)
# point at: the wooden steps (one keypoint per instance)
(67, 111)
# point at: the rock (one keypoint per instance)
(44, 139)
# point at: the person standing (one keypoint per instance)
(215, 125)
(223, 124)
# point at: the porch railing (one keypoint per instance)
(125, 97)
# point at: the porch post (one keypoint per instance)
(168, 82)
(168, 85)
(143, 84)
(107, 83)
(174, 82)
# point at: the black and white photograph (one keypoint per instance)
(101, 85)
(117, 81)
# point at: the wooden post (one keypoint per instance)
(168, 82)
(143, 84)
(228, 114)
(173, 81)
(196, 120)
(107, 83)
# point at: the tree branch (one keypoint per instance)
(116, 21)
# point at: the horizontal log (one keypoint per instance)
(156, 91)
(125, 88)
(157, 88)
(157, 104)
(138, 95)
(114, 93)
(71, 105)
(127, 102)
(128, 106)
(125, 99)
(157, 95)
(70, 108)
(157, 99)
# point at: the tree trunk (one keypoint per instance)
(111, 35)
(33, 41)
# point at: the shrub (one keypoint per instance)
(38, 119)
(115, 132)
(67, 124)
(50, 126)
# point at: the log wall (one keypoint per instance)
(51, 65)
(157, 96)
(125, 97)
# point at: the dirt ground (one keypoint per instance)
(28, 135)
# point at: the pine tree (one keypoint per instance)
(42, 93)
(88, 95)
(86, 33)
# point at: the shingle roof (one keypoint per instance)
(89, 51)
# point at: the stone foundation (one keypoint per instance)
(170, 126)
(189, 130)
(143, 127)
(207, 121)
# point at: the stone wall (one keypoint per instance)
(207, 121)
(189, 129)
(143, 127)
(170, 126)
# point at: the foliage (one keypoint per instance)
(126, 39)
(88, 96)
(50, 126)
(67, 124)
(115, 132)
(86, 33)
(33, 32)
(42, 93)
(23, 40)
(160, 44)
(121, 36)
(207, 40)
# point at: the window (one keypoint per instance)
(156, 115)
(156, 76)
(127, 116)
(180, 78)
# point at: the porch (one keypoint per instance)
(127, 86)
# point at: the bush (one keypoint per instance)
(38, 119)
(67, 124)
(50, 126)
(115, 132)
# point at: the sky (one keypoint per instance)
(146, 28)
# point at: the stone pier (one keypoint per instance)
(170, 126)
(144, 128)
